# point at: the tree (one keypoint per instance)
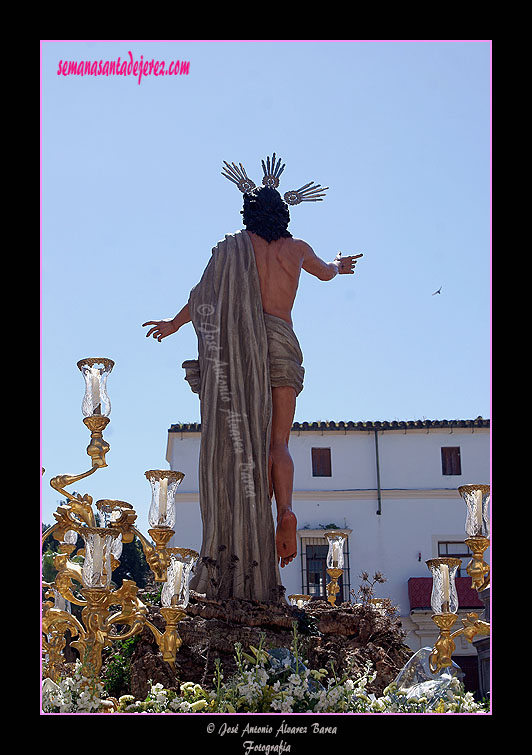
(133, 565)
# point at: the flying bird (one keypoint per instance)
(437, 292)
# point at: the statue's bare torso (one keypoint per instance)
(279, 268)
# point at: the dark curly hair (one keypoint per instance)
(266, 214)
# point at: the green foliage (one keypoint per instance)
(49, 551)
(117, 675)
(154, 597)
(49, 572)
(133, 565)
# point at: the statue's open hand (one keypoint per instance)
(346, 265)
(161, 328)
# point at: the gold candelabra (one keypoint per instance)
(107, 611)
(444, 598)
(335, 562)
(299, 601)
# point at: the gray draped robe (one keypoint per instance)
(233, 376)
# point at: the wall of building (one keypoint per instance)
(419, 506)
(397, 542)
(408, 459)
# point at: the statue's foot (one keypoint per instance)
(285, 538)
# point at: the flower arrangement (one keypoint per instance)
(73, 694)
(266, 683)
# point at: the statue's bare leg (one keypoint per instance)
(282, 471)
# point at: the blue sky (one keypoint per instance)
(133, 201)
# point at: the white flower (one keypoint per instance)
(180, 705)
(286, 706)
(199, 705)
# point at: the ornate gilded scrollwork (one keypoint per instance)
(445, 646)
(477, 568)
(101, 623)
(476, 498)
(333, 588)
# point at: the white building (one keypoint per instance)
(392, 484)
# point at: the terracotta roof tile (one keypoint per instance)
(329, 426)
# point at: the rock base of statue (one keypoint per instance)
(348, 635)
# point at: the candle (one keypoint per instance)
(337, 554)
(163, 496)
(300, 603)
(97, 558)
(178, 578)
(95, 390)
(479, 512)
(445, 588)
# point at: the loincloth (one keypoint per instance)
(284, 354)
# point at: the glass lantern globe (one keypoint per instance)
(117, 547)
(477, 501)
(164, 484)
(175, 592)
(300, 601)
(99, 543)
(444, 598)
(111, 510)
(95, 372)
(61, 603)
(70, 537)
(335, 555)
